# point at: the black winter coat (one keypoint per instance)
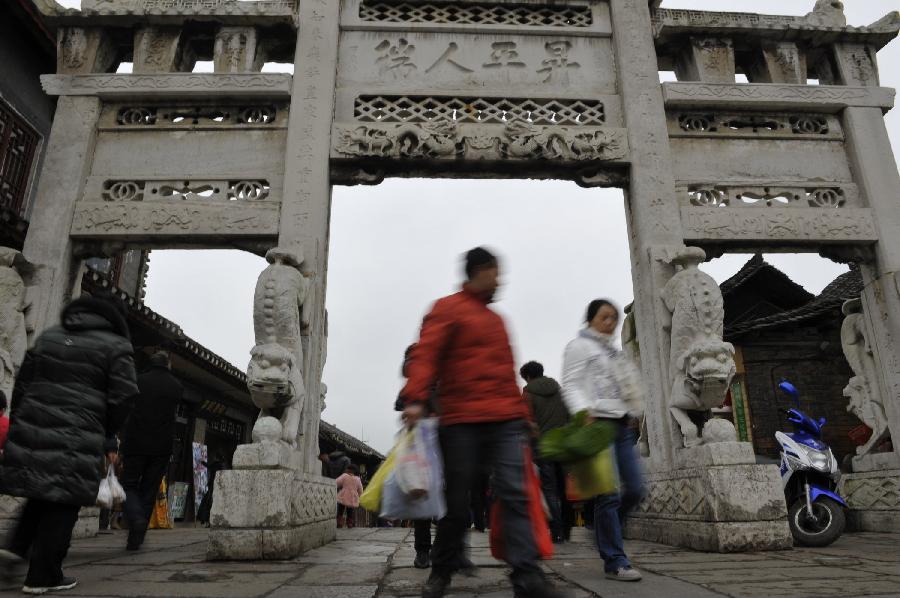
(74, 391)
(151, 426)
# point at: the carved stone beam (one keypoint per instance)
(237, 51)
(160, 50)
(856, 64)
(83, 50)
(779, 62)
(708, 59)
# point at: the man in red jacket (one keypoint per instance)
(463, 348)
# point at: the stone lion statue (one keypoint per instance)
(13, 334)
(701, 364)
(275, 373)
(862, 389)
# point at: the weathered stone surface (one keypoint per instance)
(252, 499)
(711, 536)
(874, 500)
(234, 544)
(266, 455)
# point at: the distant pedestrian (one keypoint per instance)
(204, 511)
(464, 350)
(4, 421)
(545, 398)
(599, 378)
(147, 444)
(72, 395)
(350, 488)
(338, 461)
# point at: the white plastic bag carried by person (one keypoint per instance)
(412, 469)
(111, 491)
(427, 502)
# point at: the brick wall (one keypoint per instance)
(812, 359)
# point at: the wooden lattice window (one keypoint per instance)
(18, 145)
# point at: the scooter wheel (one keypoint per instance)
(824, 527)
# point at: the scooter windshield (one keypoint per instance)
(805, 424)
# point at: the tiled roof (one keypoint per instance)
(846, 286)
(346, 441)
(754, 266)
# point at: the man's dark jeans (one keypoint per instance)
(46, 529)
(422, 529)
(140, 479)
(553, 485)
(501, 447)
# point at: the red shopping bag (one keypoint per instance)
(536, 515)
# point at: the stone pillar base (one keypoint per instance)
(269, 510)
(10, 508)
(88, 524)
(874, 500)
(729, 508)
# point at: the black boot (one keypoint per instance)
(535, 585)
(423, 560)
(436, 585)
(136, 536)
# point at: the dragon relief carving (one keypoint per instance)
(275, 376)
(701, 364)
(862, 389)
(444, 139)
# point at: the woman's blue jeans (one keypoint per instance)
(610, 510)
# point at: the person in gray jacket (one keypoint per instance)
(545, 398)
(72, 395)
(600, 379)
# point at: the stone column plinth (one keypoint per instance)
(718, 508)
(267, 508)
(874, 500)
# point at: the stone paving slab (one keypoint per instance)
(377, 563)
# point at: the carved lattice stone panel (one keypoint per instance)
(473, 109)
(821, 195)
(187, 115)
(192, 190)
(730, 225)
(477, 13)
(738, 124)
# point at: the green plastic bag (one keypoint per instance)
(577, 440)
(370, 499)
(593, 476)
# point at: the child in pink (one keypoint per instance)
(349, 488)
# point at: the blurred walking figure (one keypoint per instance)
(349, 489)
(545, 398)
(147, 444)
(72, 394)
(599, 378)
(4, 420)
(464, 350)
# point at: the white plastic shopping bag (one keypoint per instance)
(111, 490)
(412, 469)
(420, 503)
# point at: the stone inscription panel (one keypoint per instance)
(717, 161)
(736, 224)
(416, 62)
(186, 220)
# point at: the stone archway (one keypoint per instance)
(534, 89)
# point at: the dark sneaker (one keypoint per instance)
(466, 567)
(423, 560)
(135, 539)
(624, 574)
(67, 583)
(436, 585)
(536, 586)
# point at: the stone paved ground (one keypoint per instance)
(366, 563)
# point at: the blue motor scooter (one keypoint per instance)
(809, 476)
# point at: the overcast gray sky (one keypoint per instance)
(396, 247)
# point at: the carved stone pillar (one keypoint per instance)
(710, 499)
(160, 50)
(56, 275)
(779, 62)
(83, 50)
(237, 50)
(707, 59)
(875, 172)
(275, 505)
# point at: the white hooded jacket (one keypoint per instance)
(600, 378)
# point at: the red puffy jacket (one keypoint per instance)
(463, 347)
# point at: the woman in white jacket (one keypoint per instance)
(599, 378)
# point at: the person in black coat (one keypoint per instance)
(71, 397)
(147, 444)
